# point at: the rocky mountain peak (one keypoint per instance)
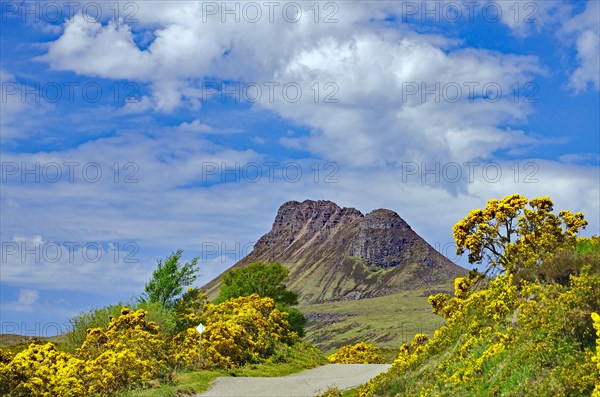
(384, 240)
(306, 220)
(383, 219)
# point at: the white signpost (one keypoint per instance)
(200, 329)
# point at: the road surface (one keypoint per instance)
(303, 384)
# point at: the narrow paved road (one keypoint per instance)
(304, 384)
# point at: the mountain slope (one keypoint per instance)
(337, 254)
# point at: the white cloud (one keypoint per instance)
(527, 16)
(202, 128)
(27, 297)
(25, 301)
(195, 126)
(386, 120)
(584, 27)
(583, 158)
(19, 113)
(104, 51)
(367, 67)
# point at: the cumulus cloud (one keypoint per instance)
(408, 100)
(584, 28)
(354, 77)
(104, 51)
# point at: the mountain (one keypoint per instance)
(339, 254)
(359, 277)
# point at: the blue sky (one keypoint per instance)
(182, 125)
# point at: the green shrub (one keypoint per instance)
(100, 318)
(94, 318)
(295, 318)
(165, 318)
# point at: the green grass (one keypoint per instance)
(188, 381)
(386, 321)
(350, 393)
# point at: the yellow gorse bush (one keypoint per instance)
(596, 358)
(243, 330)
(511, 236)
(42, 370)
(128, 352)
(360, 353)
(185, 350)
(528, 332)
(540, 326)
(409, 352)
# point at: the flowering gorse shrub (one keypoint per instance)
(531, 339)
(185, 350)
(126, 353)
(5, 357)
(243, 330)
(510, 236)
(596, 358)
(131, 351)
(360, 353)
(529, 331)
(42, 370)
(410, 351)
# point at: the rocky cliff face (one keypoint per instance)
(336, 253)
(303, 221)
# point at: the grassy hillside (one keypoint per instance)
(530, 339)
(13, 343)
(7, 340)
(386, 321)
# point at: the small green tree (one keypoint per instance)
(258, 278)
(169, 279)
